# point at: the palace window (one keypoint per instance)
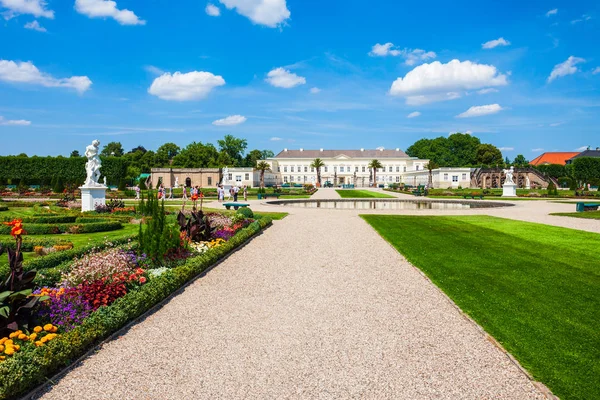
(291, 178)
(210, 181)
(364, 169)
(417, 167)
(445, 177)
(325, 168)
(355, 169)
(405, 168)
(312, 169)
(238, 178)
(230, 177)
(391, 169)
(278, 169)
(341, 169)
(464, 177)
(397, 169)
(305, 169)
(285, 169)
(247, 177)
(285, 179)
(454, 178)
(292, 168)
(397, 179)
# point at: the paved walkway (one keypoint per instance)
(318, 307)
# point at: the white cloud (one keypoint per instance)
(37, 8)
(479, 111)
(26, 72)
(212, 10)
(107, 8)
(193, 85)
(14, 122)
(35, 26)
(283, 78)
(315, 90)
(556, 124)
(487, 90)
(565, 68)
(413, 114)
(582, 148)
(537, 150)
(154, 70)
(506, 148)
(231, 120)
(552, 12)
(584, 17)
(437, 82)
(495, 43)
(275, 139)
(271, 13)
(411, 56)
(596, 71)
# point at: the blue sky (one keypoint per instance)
(524, 76)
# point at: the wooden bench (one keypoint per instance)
(581, 206)
(473, 196)
(235, 206)
(267, 195)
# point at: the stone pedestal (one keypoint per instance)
(91, 196)
(509, 190)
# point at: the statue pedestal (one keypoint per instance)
(509, 190)
(91, 196)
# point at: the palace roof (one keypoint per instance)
(585, 153)
(363, 153)
(554, 158)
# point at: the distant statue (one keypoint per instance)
(92, 167)
(225, 180)
(509, 176)
(527, 182)
(176, 182)
(105, 181)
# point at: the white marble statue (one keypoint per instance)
(527, 182)
(509, 176)
(105, 181)
(225, 180)
(176, 182)
(92, 167)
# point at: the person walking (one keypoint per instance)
(137, 192)
(184, 197)
(236, 190)
(230, 194)
(245, 192)
(220, 193)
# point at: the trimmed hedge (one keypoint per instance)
(27, 369)
(46, 219)
(50, 229)
(19, 203)
(29, 243)
(3, 208)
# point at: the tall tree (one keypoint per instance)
(375, 165)
(520, 160)
(267, 154)
(112, 149)
(262, 166)
(252, 158)
(138, 148)
(166, 153)
(431, 165)
(75, 153)
(457, 150)
(318, 164)
(197, 155)
(488, 154)
(233, 147)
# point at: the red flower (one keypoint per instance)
(17, 227)
(142, 280)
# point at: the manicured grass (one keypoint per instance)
(534, 287)
(362, 194)
(585, 215)
(273, 215)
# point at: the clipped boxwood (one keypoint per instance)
(3, 208)
(18, 203)
(49, 229)
(30, 242)
(27, 369)
(46, 219)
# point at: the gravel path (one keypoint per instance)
(318, 307)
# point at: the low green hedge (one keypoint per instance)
(27, 369)
(50, 229)
(3, 208)
(46, 219)
(18, 203)
(30, 242)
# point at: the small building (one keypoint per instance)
(202, 177)
(442, 178)
(586, 153)
(556, 157)
(247, 176)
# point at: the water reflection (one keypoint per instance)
(387, 204)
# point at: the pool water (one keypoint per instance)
(388, 204)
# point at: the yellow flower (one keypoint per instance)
(37, 329)
(39, 343)
(22, 336)
(13, 335)
(4, 339)
(48, 327)
(2, 358)
(17, 347)
(33, 336)
(9, 351)
(8, 343)
(1, 348)
(51, 336)
(54, 329)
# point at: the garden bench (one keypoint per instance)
(267, 195)
(473, 196)
(418, 193)
(235, 205)
(581, 206)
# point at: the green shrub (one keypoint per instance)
(142, 184)
(28, 368)
(246, 212)
(159, 237)
(47, 219)
(59, 187)
(30, 242)
(53, 229)
(122, 184)
(3, 208)
(552, 191)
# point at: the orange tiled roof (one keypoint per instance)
(554, 158)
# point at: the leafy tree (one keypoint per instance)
(507, 161)
(224, 159)
(59, 186)
(553, 170)
(75, 153)
(431, 165)
(252, 158)
(262, 166)
(139, 148)
(233, 147)
(488, 154)
(586, 169)
(520, 160)
(114, 149)
(375, 165)
(267, 154)
(318, 164)
(166, 153)
(457, 150)
(197, 155)
(22, 155)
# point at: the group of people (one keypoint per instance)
(195, 193)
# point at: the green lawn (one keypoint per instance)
(586, 214)
(362, 194)
(535, 288)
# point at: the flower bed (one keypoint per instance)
(33, 365)
(30, 243)
(46, 219)
(75, 228)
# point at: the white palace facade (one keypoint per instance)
(352, 167)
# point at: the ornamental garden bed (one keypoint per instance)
(78, 297)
